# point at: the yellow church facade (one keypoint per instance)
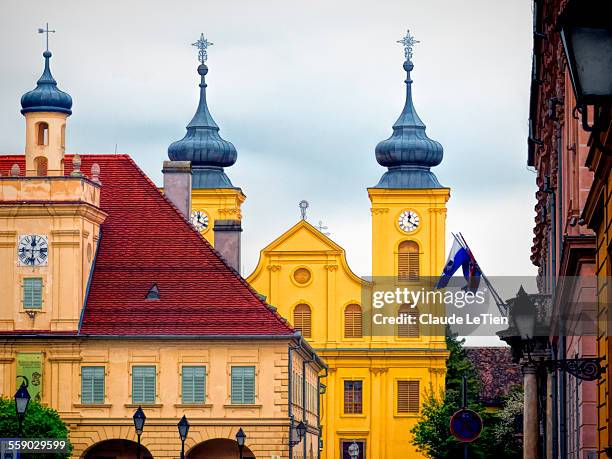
(376, 383)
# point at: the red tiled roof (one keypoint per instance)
(145, 240)
(497, 372)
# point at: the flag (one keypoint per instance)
(457, 258)
(471, 271)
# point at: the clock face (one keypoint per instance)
(408, 221)
(33, 250)
(199, 219)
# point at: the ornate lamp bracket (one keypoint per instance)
(586, 369)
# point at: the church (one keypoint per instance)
(375, 386)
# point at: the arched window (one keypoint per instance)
(40, 163)
(409, 330)
(353, 327)
(408, 261)
(42, 134)
(302, 319)
(63, 136)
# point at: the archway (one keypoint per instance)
(218, 448)
(116, 449)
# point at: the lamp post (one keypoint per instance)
(183, 428)
(240, 439)
(22, 399)
(297, 433)
(528, 339)
(586, 35)
(139, 422)
(353, 450)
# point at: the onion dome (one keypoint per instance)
(409, 153)
(202, 145)
(46, 97)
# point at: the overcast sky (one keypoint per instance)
(305, 91)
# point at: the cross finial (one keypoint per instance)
(202, 44)
(303, 206)
(408, 41)
(47, 32)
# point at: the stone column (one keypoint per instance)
(530, 412)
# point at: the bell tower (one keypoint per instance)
(213, 196)
(408, 203)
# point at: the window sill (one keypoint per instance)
(242, 405)
(193, 405)
(148, 405)
(347, 415)
(92, 405)
(406, 415)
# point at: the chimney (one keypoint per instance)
(177, 185)
(227, 241)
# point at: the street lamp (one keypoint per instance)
(240, 439)
(297, 433)
(586, 35)
(22, 399)
(353, 450)
(139, 422)
(183, 428)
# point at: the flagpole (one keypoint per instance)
(501, 304)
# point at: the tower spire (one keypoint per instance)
(202, 144)
(409, 153)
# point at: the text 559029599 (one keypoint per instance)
(33, 445)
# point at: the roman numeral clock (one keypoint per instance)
(32, 250)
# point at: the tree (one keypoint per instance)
(432, 433)
(39, 422)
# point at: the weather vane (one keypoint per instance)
(408, 41)
(46, 31)
(202, 44)
(303, 206)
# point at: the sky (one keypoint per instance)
(305, 91)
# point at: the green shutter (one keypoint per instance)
(194, 384)
(32, 292)
(243, 385)
(143, 384)
(92, 385)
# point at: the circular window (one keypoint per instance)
(302, 276)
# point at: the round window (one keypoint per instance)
(302, 275)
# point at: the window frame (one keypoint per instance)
(23, 292)
(295, 324)
(396, 406)
(205, 377)
(243, 400)
(345, 322)
(93, 400)
(144, 401)
(344, 397)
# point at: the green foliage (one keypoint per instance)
(432, 433)
(39, 422)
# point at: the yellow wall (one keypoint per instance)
(265, 422)
(219, 204)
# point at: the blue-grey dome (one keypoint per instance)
(204, 147)
(46, 97)
(409, 153)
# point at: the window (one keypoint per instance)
(302, 319)
(408, 261)
(92, 385)
(32, 292)
(194, 384)
(143, 384)
(409, 330)
(353, 321)
(243, 385)
(41, 165)
(408, 396)
(42, 134)
(353, 397)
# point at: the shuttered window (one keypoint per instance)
(353, 397)
(302, 319)
(243, 385)
(32, 292)
(408, 330)
(353, 327)
(408, 396)
(143, 384)
(92, 385)
(193, 384)
(408, 261)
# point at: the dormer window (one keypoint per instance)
(42, 134)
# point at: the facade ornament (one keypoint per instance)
(15, 170)
(379, 210)
(95, 173)
(303, 206)
(76, 166)
(331, 267)
(274, 268)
